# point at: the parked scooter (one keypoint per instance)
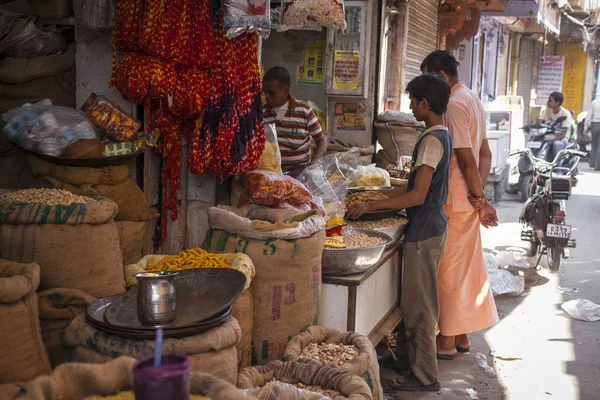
(544, 213)
(538, 138)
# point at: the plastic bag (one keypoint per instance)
(305, 13)
(251, 16)
(228, 220)
(270, 160)
(369, 176)
(275, 190)
(95, 14)
(582, 309)
(46, 129)
(25, 40)
(339, 166)
(332, 196)
(280, 390)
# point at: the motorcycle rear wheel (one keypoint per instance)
(554, 258)
(526, 188)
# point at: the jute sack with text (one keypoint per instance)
(286, 289)
(364, 365)
(211, 352)
(22, 353)
(58, 307)
(349, 385)
(75, 245)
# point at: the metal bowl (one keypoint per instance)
(370, 189)
(354, 261)
(395, 232)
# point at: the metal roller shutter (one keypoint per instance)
(423, 20)
(525, 74)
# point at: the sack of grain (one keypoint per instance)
(22, 353)
(131, 237)
(76, 244)
(243, 312)
(212, 352)
(75, 381)
(397, 139)
(286, 289)
(317, 377)
(363, 364)
(58, 307)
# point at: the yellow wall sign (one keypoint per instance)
(346, 70)
(573, 77)
(313, 69)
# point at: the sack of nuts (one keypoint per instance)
(347, 351)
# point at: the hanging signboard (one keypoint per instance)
(550, 77)
(346, 69)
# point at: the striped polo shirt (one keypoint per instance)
(294, 131)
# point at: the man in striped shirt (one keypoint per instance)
(295, 121)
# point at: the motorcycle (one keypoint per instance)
(538, 138)
(544, 212)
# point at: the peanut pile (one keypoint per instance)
(364, 197)
(327, 353)
(50, 197)
(381, 223)
(312, 388)
(359, 240)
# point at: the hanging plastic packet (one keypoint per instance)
(247, 16)
(307, 13)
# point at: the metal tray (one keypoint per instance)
(370, 189)
(373, 215)
(201, 294)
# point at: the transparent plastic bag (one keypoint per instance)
(247, 16)
(306, 13)
(26, 40)
(276, 190)
(332, 195)
(369, 176)
(270, 160)
(45, 128)
(339, 166)
(280, 390)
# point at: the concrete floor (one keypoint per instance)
(540, 351)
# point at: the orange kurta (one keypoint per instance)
(465, 296)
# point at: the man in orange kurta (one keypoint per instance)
(465, 295)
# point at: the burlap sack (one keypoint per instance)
(211, 352)
(131, 237)
(78, 175)
(76, 246)
(127, 194)
(58, 307)
(22, 353)
(349, 385)
(76, 381)
(364, 365)
(286, 289)
(396, 139)
(243, 312)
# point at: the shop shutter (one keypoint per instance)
(525, 74)
(423, 20)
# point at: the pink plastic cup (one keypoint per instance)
(169, 381)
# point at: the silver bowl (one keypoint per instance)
(358, 189)
(354, 261)
(395, 232)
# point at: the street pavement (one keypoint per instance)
(536, 350)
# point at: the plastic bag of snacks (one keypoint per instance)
(111, 118)
(369, 176)
(45, 128)
(278, 191)
(332, 196)
(304, 13)
(241, 16)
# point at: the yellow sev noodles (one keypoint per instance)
(131, 396)
(187, 259)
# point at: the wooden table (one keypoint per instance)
(366, 301)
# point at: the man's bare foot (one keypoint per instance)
(446, 349)
(462, 343)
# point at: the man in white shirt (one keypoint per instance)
(554, 110)
(593, 122)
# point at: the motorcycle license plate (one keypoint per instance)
(558, 231)
(534, 145)
(588, 147)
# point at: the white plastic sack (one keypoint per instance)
(504, 282)
(397, 116)
(369, 176)
(582, 309)
(224, 219)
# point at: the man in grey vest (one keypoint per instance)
(424, 200)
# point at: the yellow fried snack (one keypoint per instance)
(187, 259)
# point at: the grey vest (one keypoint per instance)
(429, 219)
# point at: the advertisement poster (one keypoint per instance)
(350, 117)
(346, 70)
(313, 69)
(550, 77)
(573, 78)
